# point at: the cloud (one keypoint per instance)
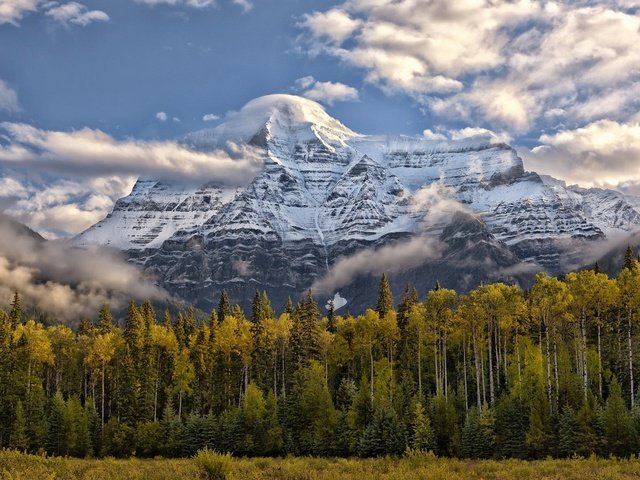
(602, 153)
(66, 282)
(8, 97)
(12, 11)
(506, 64)
(210, 117)
(185, 3)
(77, 14)
(374, 261)
(162, 117)
(327, 92)
(61, 206)
(91, 153)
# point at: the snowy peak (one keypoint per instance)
(273, 117)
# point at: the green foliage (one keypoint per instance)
(385, 435)
(216, 466)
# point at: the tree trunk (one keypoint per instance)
(102, 397)
(492, 395)
(631, 384)
(477, 365)
(599, 362)
(420, 364)
(464, 363)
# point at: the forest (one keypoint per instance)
(495, 373)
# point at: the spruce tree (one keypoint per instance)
(224, 307)
(15, 314)
(629, 258)
(422, 434)
(105, 320)
(57, 441)
(385, 435)
(616, 422)
(19, 439)
(567, 432)
(385, 297)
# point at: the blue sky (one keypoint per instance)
(187, 62)
(559, 80)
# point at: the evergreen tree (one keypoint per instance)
(385, 297)
(57, 441)
(511, 422)
(629, 258)
(422, 434)
(15, 314)
(105, 320)
(567, 432)
(616, 422)
(477, 435)
(385, 435)
(19, 439)
(224, 307)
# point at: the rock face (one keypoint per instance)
(326, 192)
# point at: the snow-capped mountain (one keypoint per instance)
(326, 192)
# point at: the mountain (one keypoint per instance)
(326, 193)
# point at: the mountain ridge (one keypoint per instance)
(326, 192)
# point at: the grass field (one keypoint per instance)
(18, 466)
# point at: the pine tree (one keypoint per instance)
(105, 320)
(511, 424)
(19, 439)
(385, 435)
(385, 297)
(422, 434)
(224, 307)
(57, 441)
(15, 314)
(477, 436)
(567, 432)
(616, 422)
(331, 316)
(629, 258)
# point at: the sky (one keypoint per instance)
(95, 93)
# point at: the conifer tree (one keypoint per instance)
(629, 258)
(385, 435)
(15, 314)
(57, 441)
(224, 307)
(567, 432)
(105, 320)
(616, 422)
(385, 297)
(422, 434)
(19, 439)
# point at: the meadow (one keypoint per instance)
(210, 466)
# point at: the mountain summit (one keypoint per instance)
(326, 194)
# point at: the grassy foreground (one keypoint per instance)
(18, 466)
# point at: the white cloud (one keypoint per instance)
(187, 3)
(63, 281)
(327, 92)
(335, 25)
(94, 153)
(602, 153)
(162, 117)
(62, 206)
(8, 98)
(511, 64)
(210, 117)
(431, 135)
(12, 11)
(76, 13)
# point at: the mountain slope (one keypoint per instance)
(326, 192)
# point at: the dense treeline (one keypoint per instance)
(497, 372)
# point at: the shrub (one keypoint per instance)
(216, 466)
